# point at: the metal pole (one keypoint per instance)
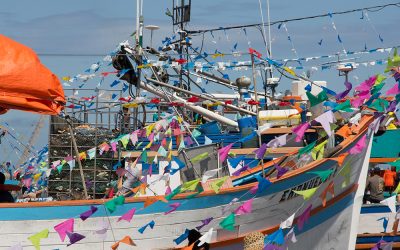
(78, 160)
(201, 96)
(257, 108)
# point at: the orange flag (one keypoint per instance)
(344, 131)
(340, 159)
(188, 247)
(331, 189)
(150, 200)
(127, 240)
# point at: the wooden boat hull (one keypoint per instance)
(270, 207)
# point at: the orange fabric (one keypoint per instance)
(344, 131)
(389, 177)
(340, 159)
(188, 247)
(25, 83)
(331, 189)
(127, 240)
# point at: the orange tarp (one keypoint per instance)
(25, 83)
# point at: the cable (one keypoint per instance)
(371, 9)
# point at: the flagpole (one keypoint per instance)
(257, 109)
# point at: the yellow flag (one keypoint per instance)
(318, 151)
(180, 119)
(35, 239)
(217, 184)
(289, 71)
(66, 78)
(306, 193)
(149, 128)
(37, 176)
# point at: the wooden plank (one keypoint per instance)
(382, 160)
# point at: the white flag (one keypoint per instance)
(391, 203)
(288, 222)
(206, 238)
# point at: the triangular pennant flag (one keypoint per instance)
(174, 207)
(74, 237)
(290, 235)
(128, 215)
(323, 174)
(360, 145)
(260, 152)
(182, 237)
(228, 223)
(278, 141)
(206, 238)
(345, 172)
(207, 141)
(126, 240)
(218, 183)
(150, 224)
(263, 183)
(326, 119)
(300, 131)
(204, 222)
(340, 159)
(196, 133)
(344, 106)
(150, 200)
(314, 100)
(88, 213)
(306, 149)
(35, 239)
(276, 237)
(173, 193)
(306, 193)
(331, 189)
(317, 152)
(391, 203)
(91, 153)
(245, 208)
(385, 222)
(64, 227)
(303, 218)
(223, 152)
(287, 223)
(189, 185)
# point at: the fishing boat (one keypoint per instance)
(334, 220)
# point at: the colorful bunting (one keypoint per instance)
(228, 223)
(35, 239)
(88, 213)
(303, 218)
(330, 188)
(218, 183)
(64, 227)
(74, 237)
(150, 224)
(223, 152)
(128, 215)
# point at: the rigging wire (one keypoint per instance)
(375, 8)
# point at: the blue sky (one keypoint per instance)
(94, 27)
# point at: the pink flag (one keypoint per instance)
(300, 130)
(151, 137)
(360, 145)
(168, 190)
(134, 137)
(223, 152)
(361, 97)
(245, 208)
(104, 148)
(64, 227)
(174, 207)
(113, 146)
(254, 189)
(393, 90)
(128, 215)
(326, 119)
(304, 217)
(367, 84)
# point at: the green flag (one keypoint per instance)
(345, 172)
(344, 106)
(196, 133)
(228, 223)
(306, 193)
(314, 100)
(190, 185)
(379, 104)
(144, 156)
(111, 206)
(35, 239)
(306, 149)
(120, 200)
(199, 157)
(323, 174)
(173, 193)
(217, 184)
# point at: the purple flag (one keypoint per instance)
(260, 152)
(281, 170)
(303, 218)
(204, 222)
(88, 213)
(341, 95)
(241, 170)
(74, 237)
(300, 131)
